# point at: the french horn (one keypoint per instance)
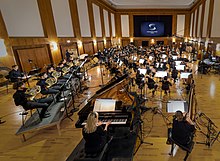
(32, 92)
(51, 81)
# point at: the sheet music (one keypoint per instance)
(104, 105)
(142, 71)
(173, 106)
(120, 63)
(178, 62)
(141, 61)
(161, 74)
(151, 58)
(175, 57)
(184, 75)
(180, 67)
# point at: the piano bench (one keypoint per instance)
(80, 154)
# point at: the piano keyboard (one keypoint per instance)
(113, 121)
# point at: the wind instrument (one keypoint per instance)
(51, 81)
(32, 92)
(65, 70)
(56, 74)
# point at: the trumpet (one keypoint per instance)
(56, 74)
(51, 81)
(32, 92)
(65, 70)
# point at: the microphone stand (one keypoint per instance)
(139, 124)
(212, 135)
(101, 71)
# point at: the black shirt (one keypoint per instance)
(94, 141)
(43, 84)
(20, 98)
(14, 74)
(182, 132)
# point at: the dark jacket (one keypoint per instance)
(95, 141)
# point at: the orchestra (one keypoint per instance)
(150, 68)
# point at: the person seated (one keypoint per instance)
(45, 87)
(15, 75)
(174, 74)
(166, 85)
(151, 84)
(21, 98)
(182, 129)
(94, 134)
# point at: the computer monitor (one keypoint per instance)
(173, 106)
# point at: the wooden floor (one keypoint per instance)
(47, 145)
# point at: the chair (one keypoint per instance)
(173, 142)
(24, 114)
(8, 82)
(79, 153)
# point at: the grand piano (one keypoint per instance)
(123, 119)
(116, 89)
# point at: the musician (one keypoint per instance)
(183, 129)
(15, 75)
(94, 134)
(166, 85)
(21, 98)
(44, 86)
(151, 84)
(174, 74)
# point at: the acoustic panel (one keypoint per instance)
(3, 51)
(206, 15)
(83, 18)
(191, 25)
(125, 25)
(22, 18)
(97, 20)
(113, 24)
(106, 22)
(216, 20)
(62, 18)
(199, 21)
(180, 25)
(194, 25)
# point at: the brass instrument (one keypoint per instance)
(32, 92)
(65, 70)
(51, 81)
(56, 74)
(70, 63)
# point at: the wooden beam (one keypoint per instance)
(102, 22)
(131, 25)
(202, 19)
(91, 19)
(187, 25)
(209, 26)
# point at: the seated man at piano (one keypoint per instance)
(15, 75)
(94, 134)
(21, 98)
(183, 129)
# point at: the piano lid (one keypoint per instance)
(116, 89)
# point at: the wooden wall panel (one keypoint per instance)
(108, 43)
(88, 48)
(39, 56)
(125, 42)
(100, 45)
(67, 46)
